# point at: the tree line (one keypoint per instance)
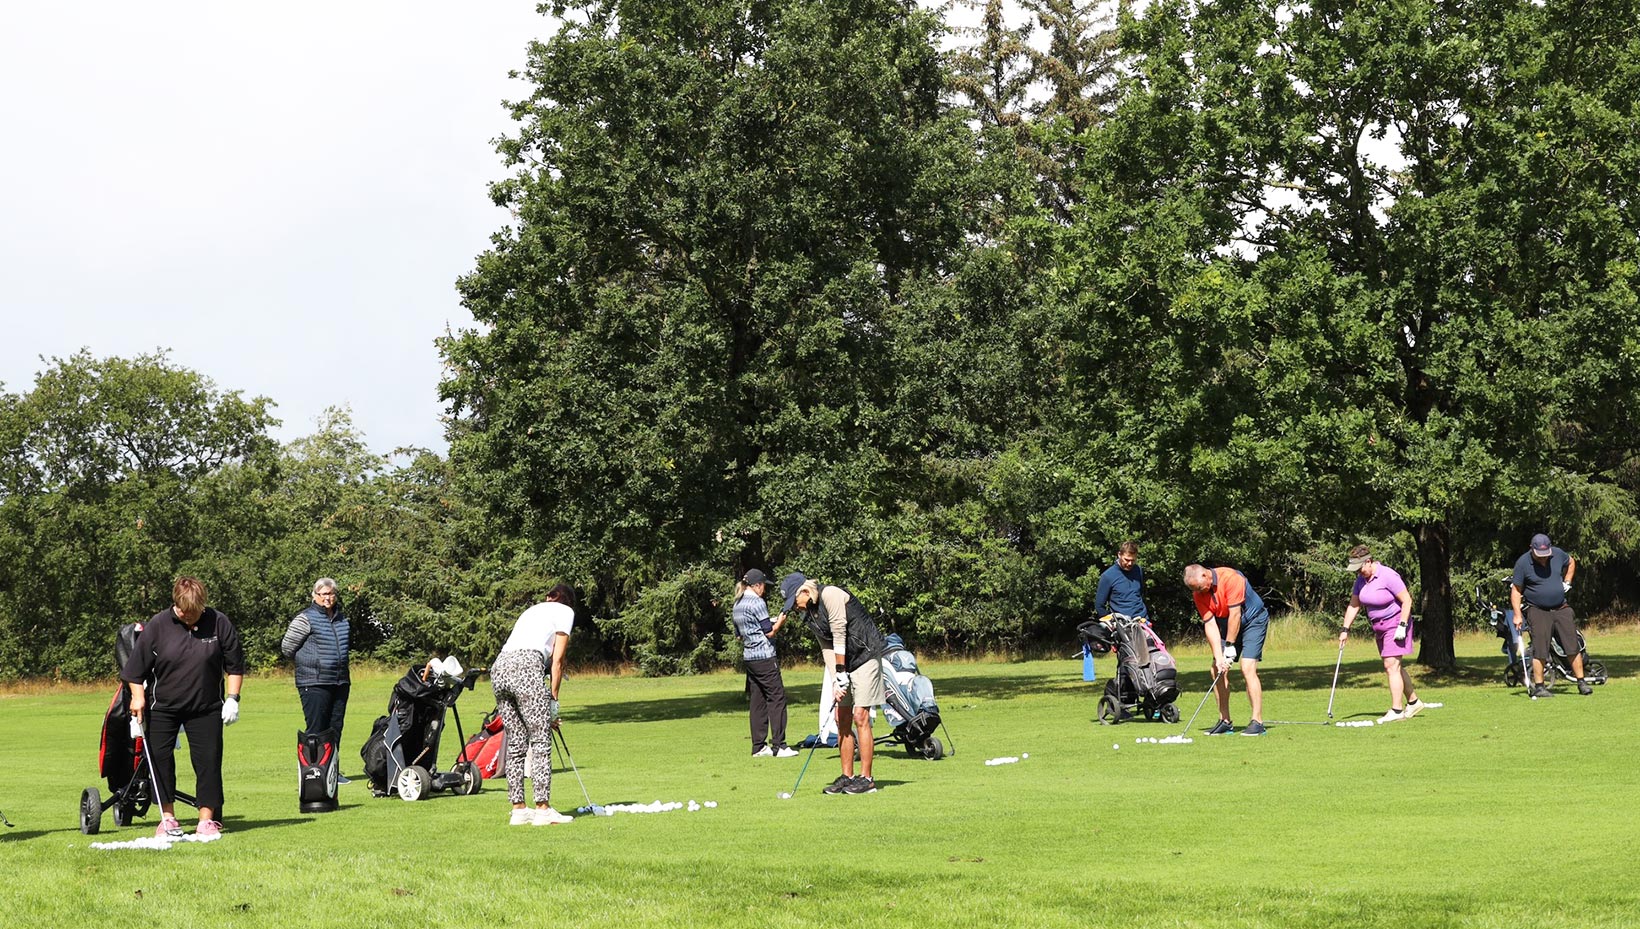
(943, 316)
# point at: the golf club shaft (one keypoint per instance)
(1210, 688)
(563, 743)
(816, 745)
(1336, 666)
(3, 819)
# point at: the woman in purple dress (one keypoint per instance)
(1380, 591)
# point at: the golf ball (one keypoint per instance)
(1024, 754)
(1117, 747)
(785, 796)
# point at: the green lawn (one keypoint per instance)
(1493, 810)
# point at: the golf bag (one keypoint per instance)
(1518, 641)
(401, 755)
(122, 756)
(317, 771)
(487, 749)
(909, 703)
(1146, 680)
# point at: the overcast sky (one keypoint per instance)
(281, 194)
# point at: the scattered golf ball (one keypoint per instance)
(1024, 754)
(1117, 747)
(785, 795)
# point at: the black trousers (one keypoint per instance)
(204, 748)
(324, 706)
(768, 693)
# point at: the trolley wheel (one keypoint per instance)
(472, 780)
(1593, 671)
(123, 814)
(91, 811)
(412, 783)
(933, 749)
(1110, 713)
(1170, 713)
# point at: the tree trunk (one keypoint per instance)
(1435, 577)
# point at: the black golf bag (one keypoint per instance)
(1146, 680)
(317, 771)
(1517, 647)
(401, 755)
(909, 703)
(122, 756)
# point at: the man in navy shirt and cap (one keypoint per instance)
(1543, 577)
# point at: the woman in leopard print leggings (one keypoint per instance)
(528, 700)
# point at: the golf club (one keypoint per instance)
(1336, 665)
(1296, 722)
(3, 819)
(1520, 649)
(805, 770)
(1210, 688)
(558, 733)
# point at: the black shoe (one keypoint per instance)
(860, 785)
(1583, 687)
(1223, 727)
(1253, 728)
(837, 786)
(1542, 690)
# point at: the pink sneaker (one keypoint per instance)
(208, 829)
(168, 828)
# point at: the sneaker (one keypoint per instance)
(521, 817)
(1583, 687)
(764, 752)
(1222, 727)
(1414, 707)
(208, 829)
(1253, 728)
(550, 817)
(342, 779)
(168, 828)
(785, 751)
(1542, 690)
(860, 785)
(837, 786)
(1393, 716)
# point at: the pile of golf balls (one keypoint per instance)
(1356, 724)
(656, 806)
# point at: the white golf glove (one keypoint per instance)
(552, 708)
(840, 682)
(1229, 651)
(1566, 586)
(1400, 632)
(136, 728)
(230, 711)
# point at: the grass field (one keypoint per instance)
(1493, 810)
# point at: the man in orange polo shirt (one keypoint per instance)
(1235, 619)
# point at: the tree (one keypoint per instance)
(721, 211)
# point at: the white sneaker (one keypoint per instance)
(551, 817)
(764, 752)
(521, 817)
(1391, 717)
(786, 751)
(1413, 709)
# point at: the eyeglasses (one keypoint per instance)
(324, 593)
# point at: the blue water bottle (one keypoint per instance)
(1088, 672)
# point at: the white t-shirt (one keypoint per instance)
(539, 626)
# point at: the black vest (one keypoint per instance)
(862, 641)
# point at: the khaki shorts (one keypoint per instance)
(865, 686)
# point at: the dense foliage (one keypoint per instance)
(941, 316)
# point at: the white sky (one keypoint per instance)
(281, 194)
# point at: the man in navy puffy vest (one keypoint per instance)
(318, 639)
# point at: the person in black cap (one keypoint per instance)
(1543, 577)
(763, 682)
(854, 645)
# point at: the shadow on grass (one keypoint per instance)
(239, 824)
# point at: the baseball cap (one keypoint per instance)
(755, 577)
(1356, 562)
(788, 587)
(1540, 545)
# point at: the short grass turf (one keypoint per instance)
(1493, 810)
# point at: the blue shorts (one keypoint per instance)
(1250, 643)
